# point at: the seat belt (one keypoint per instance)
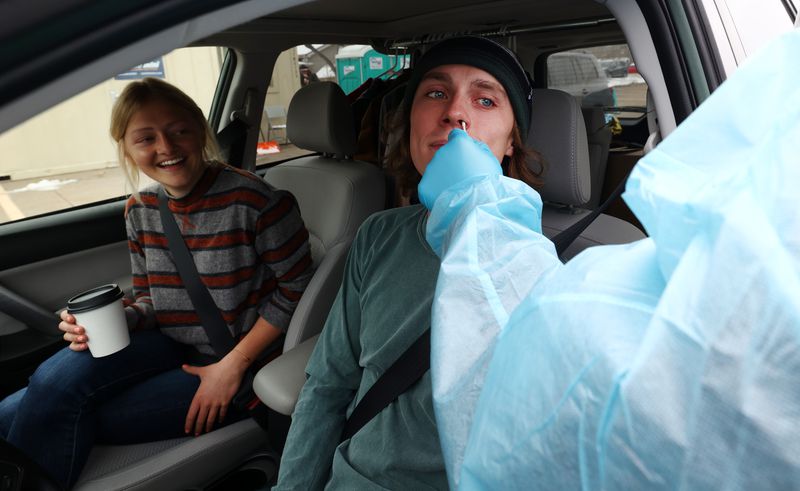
(232, 140)
(404, 372)
(566, 237)
(219, 336)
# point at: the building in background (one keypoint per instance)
(73, 136)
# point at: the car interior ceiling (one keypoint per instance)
(547, 26)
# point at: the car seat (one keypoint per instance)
(335, 194)
(558, 132)
(599, 139)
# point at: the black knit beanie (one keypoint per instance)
(487, 55)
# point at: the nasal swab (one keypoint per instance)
(464, 125)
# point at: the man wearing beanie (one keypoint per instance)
(384, 303)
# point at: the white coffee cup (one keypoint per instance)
(101, 313)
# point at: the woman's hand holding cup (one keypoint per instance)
(74, 334)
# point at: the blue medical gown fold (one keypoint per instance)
(668, 363)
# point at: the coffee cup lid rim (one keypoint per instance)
(110, 293)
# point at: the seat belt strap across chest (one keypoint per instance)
(219, 336)
(404, 372)
(566, 237)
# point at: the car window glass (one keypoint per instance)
(584, 75)
(589, 69)
(561, 71)
(349, 66)
(64, 157)
(601, 76)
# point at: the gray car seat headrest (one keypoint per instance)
(559, 134)
(320, 120)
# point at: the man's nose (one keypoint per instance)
(456, 114)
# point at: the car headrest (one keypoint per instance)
(320, 120)
(559, 134)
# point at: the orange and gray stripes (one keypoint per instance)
(248, 242)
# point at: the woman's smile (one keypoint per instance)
(172, 162)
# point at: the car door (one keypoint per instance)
(44, 262)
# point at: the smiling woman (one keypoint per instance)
(161, 132)
(250, 249)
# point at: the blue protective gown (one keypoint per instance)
(668, 363)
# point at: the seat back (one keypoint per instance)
(558, 132)
(598, 136)
(334, 192)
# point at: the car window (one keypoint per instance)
(590, 69)
(349, 66)
(561, 71)
(64, 157)
(600, 76)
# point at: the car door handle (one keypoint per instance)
(29, 313)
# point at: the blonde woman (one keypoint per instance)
(251, 249)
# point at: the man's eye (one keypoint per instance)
(435, 94)
(483, 101)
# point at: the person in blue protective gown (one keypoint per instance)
(667, 363)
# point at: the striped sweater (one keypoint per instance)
(249, 245)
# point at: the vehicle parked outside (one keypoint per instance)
(581, 75)
(615, 67)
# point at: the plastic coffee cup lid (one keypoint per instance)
(94, 298)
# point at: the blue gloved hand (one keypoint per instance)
(461, 158)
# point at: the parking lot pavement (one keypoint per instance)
(30, 197)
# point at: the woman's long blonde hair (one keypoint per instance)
(132, 99)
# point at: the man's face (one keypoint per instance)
(451, 94)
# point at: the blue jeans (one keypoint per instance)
(136, 395)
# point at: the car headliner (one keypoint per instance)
(62, 48)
